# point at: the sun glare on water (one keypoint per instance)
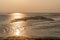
(18, 27)
(17, 32)
(17, 15)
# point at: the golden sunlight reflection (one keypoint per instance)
(17, 15)
(17, 32)
(18, 27)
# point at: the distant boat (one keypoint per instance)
(32, 18)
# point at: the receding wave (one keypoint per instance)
(33, 18)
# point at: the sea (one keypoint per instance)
(29, 28)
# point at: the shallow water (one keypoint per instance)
(32, 28)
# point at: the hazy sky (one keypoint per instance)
(30, 6)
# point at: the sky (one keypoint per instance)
(42, 6)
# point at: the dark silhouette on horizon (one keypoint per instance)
(32, 18)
